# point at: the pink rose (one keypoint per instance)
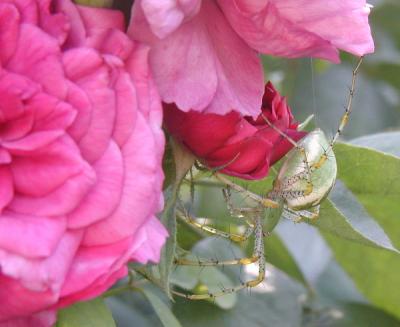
(244, 147)
(80, 157)
(204, 53)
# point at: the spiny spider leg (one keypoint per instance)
(266, 202)
(242, 213)
(298, 216)
(345, 118)
(214, 262)
(257, 253)
(233, 237)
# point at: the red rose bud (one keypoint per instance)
(241, 146)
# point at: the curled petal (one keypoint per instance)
(203, 69)
(298, 28)
(48, 230)
(149, 248)
(165, 16)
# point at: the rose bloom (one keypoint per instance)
(204, 53)
(238, 146)
(80, 157)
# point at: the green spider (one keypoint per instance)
(304, 180)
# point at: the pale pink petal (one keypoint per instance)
(105, 194)
(98, 19)
(38, 56)
(91, 263)
(81, 103)
(112, 42)
(33, 141)
(166, 16)
(97, 287)
(150, 248)
(48, 230)
(56, 24)
(40, 173)
(77, 33)
(59, 202)
(138, 198)
(298, 28)
(44, 274)
(50, 113)
(93, 78)
(150, 106)
(209, 70)
(5, 157)
(16, 85)
(28, 9)
(127, 107)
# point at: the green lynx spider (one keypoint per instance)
(303, 181)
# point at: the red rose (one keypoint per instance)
(244, 147)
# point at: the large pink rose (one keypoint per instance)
(204, 52)
(80, 157)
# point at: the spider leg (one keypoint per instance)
(258, 253)
(300, 215)
(211, 230)
(241, 213)
(266, 202)
(214, 262)
(345, 117)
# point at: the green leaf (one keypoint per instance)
(334, 286)
(95, 3)
(350, 315)
(163, 311)
(367, 171)
(384, 142)
(86, 314)
(275, 303)
(183, 162)
(169, 168)
(278, 255)
(343, 216)
(350, 211)
(211, 279)
(168, 252)
(373, 177)
(357, 314)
